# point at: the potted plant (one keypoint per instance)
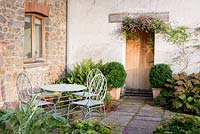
(116, 76)
(110, 105)
(158, 76)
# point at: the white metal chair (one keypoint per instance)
(25, 91)
(90, 76)
(93, 103)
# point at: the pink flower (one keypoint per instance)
(125, 131)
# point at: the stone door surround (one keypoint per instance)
(118, 17)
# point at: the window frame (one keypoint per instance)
(34, 59)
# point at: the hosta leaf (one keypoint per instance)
(180, 88)
(169, 85)
(194, 89)
(180, 83)
(182, 97)
(178, 93)
(189, 106)
(195, 76)
(195, 81)
(198, 102)
(188, 84)
(176, 77)
(178, 104)
(189, 99)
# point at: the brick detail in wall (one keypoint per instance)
(36, 7)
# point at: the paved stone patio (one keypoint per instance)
(137, 116)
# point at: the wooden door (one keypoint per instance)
(139, 59)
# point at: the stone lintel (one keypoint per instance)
(118, 17)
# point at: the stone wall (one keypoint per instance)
(11, 47)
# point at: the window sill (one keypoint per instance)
(35, 64)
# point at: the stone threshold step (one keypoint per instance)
(139, 90)
(139, 95)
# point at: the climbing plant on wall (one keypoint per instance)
(132, 26)
(178, 36)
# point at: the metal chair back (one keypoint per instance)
(91, 75)
(98, 86)
(24, 87)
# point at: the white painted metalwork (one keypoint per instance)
(93, 103)
(25, 91)
(64, 95)
(63, 87)
(90, 76)
(24, 88)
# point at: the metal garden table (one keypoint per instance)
(63, 88)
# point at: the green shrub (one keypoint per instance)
(29, 119)
(108, 101)
(110, 105)
(80, 71)
(187, 93)
(87, 127)
(115, 74)
(182, 94)
(165, 98)
(159, 74)
(180, 124)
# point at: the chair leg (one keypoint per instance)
(53, 107)
(68, 109)
(104, 109)
(83, 113)
(88, 113)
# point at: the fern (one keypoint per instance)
(30, 119)
(80, 71)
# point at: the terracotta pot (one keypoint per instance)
(115, 93)
(156, 92)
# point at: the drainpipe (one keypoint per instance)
(67, 37)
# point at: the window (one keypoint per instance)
(34, 38)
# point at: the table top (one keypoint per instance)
(63, 87)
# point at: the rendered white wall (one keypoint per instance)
(90, 35)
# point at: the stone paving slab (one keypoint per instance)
(136, 130)
(151, 111)
(148, 107)
(118, 120)
(137, 117)
(143, 124)
(150, 114)
(120, 113)
(146, 118)
(129, 108)
(133, 100)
